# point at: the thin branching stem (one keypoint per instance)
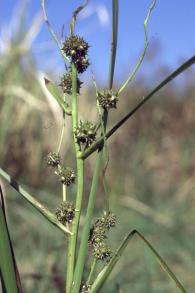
(129, 79)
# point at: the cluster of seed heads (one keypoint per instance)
(65, 212)
(85, 133)
(97, 236)
(66, 84)
(66, 175)
(76, 48)
(107, 99)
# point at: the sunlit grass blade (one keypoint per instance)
(104, 274)
(54, 91)
(35, 203)
(7, 267)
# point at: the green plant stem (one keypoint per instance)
(169, 78)
(129, 79)
(35, 203)
(93, 266)
(85, 233)
(72, 240)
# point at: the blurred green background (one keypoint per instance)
(150, 175)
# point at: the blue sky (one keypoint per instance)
(171, 32)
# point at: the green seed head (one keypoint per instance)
(102, 251)
(107, 99)
(85, 288)
(66, 175)
(53, 159)
(97, 235)
(107, 221)
(81, 63)
(66, 84)
(65, 212)
(75, 47)
(85, 133)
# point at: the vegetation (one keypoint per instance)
(150, 193)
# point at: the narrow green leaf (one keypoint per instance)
(7, 267)
(104, 274)
(115, 12)
(55, 92)
(35, 203)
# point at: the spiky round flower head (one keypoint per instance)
(85, 133)
(97, 235)
(102, 251)
(107, 99)
(66, 175)
(65, 212)
(108, 220)
(66, 84)
(53, 159)
(81, 64)
(85, 288)
(75, 47)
